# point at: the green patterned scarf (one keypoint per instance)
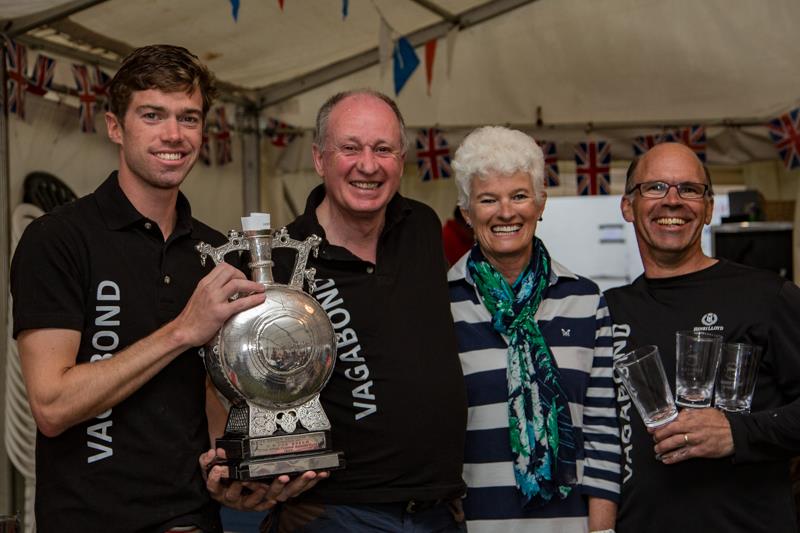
(539, 422)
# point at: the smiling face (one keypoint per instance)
(361, 159)
(668, 229)
(159, 137)
(503, 213)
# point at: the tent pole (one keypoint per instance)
(247, 124)
(5, 252)
(20, 25)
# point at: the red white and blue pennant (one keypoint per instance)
(433, 155)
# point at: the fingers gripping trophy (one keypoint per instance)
(271, 361)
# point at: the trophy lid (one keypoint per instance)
(256, 222)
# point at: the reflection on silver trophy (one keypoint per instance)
(271, 362)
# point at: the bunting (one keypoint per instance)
(86, 96)
(100, 84)
(430, 54)
(235, 10)
(278, 134)
(645, 142)
(222, 138)
(593, 167)
(784, 132)
(205, 148)
(345, 9)
(384, 45)
(433, 155)
(280, 4)
(695, 138)
(550, 152)
(16, 67)
(405, 63)
(41, 79)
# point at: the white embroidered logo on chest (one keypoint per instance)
(565, 332)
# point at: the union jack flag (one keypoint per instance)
(222, 138)
(593, 167)
(433, 155)
(785, 134)
(645, 142)
(695, 138)
(42, 76)
(16, 67)
(205, 149)
(551, 178)
(100, 86)
(277, 133)
(86, 96)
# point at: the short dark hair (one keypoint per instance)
(164, 67)
(629, 176)
(324, 114)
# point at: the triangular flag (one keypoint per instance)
(16, 69)
(86, 96)
(235, 10)
(222, 139)
(345, 6)
(42, 76)
(384, 45)
(280, 3)
(405, 63)
(430, 54)
(451, 47)
(784, 132)
(205, 148)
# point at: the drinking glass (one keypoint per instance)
(736, 380)
(697, 359)
(643, 375)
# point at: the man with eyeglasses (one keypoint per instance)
(718, 471)
(396, 400)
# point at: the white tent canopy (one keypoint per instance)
(608, 61)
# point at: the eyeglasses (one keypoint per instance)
(688, 190)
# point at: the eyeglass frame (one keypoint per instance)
(677, 187)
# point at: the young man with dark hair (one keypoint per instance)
(110, 303)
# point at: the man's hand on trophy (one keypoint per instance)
(251, 495)
(217, 297)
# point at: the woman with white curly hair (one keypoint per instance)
(543, 443)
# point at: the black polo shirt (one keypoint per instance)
(99, 267)
(396, 400)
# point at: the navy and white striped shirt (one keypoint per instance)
(574, 320)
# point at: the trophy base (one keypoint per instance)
(265, 469)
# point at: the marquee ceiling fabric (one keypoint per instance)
(602, 61)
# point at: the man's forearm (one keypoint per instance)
(63, 395)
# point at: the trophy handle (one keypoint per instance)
(282, 240)
(236, 241)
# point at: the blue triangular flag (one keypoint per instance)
(344, 9)
(235, 9)
(405, 63)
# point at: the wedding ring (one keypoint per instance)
(685, 439)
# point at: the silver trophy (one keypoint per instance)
(271, 361)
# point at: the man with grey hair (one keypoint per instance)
(708, 470)
(396, 399)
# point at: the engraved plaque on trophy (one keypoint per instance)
(271, 361)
